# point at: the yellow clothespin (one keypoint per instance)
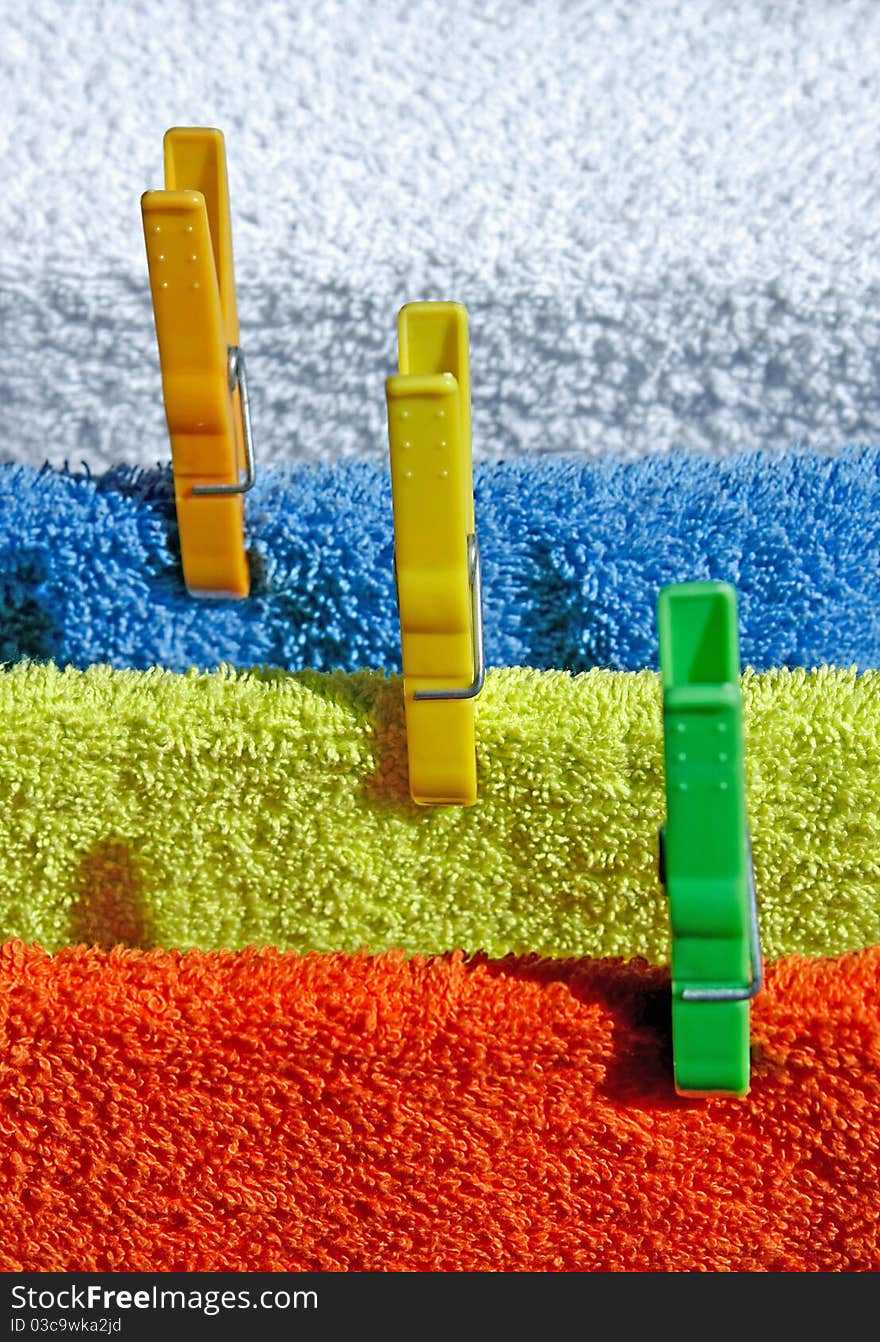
(189, 255)
(437, 558)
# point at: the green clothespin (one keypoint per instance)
(705, 856)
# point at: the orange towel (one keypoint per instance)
(267, 1111)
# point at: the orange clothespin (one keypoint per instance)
(189, 254)
(437, 558)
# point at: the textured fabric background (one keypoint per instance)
(229, 810)
(334, 1112)
(661, 215)
(574, 554)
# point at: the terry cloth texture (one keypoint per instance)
(574, 553)
(223, 810)
(659, 213)
(258, 1111)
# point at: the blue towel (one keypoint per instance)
(574, 552)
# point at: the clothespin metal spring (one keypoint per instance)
(755, 955)
(237, 378)
(475, 579)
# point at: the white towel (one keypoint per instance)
(659, 213)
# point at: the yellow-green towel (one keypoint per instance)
(236, 808)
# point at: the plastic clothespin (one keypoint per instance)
(705, 854)
(437, 556)
(189, 254)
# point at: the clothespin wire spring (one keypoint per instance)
(738, 994)
(475, 581)
(237, 377)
